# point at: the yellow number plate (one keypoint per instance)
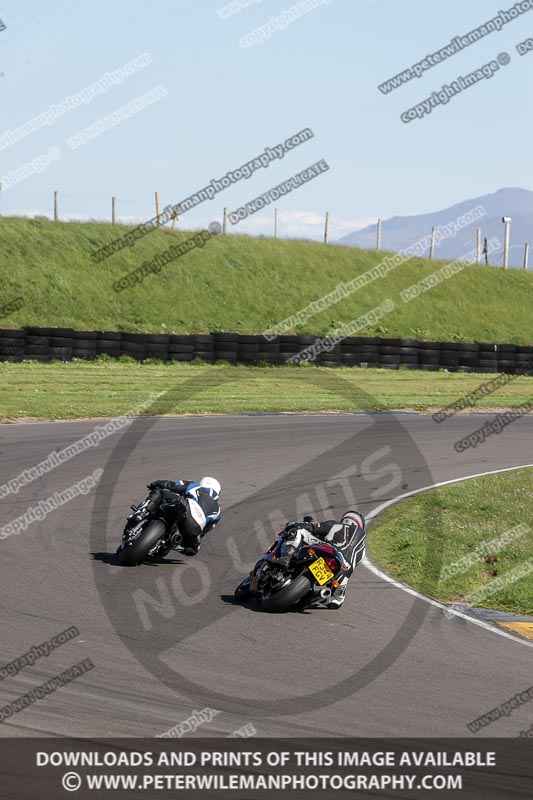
(321, 572)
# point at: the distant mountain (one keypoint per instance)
(399, 232)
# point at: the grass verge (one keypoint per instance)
(108, 387)
(460, 518)
(244, 284)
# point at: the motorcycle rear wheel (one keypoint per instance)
(287, 596)
(133, 553)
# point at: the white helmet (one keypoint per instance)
(353, 518)
(210, 483)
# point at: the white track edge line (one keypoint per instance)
(383, 575)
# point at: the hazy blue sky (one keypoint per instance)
(225, 103)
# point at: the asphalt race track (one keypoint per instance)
(166, 638)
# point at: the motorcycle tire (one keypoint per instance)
(287, 596)
(242, 592)
(133, 553)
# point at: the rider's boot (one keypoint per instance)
(338, 596)
(191, 545)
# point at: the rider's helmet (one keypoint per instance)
(210, 483)
(353, 518)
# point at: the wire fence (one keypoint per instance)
(314, 226)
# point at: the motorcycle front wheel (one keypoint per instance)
(133, 553)
(287, 596)
(242, 592)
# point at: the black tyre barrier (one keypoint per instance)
(463, 346)
(177, 338)
(430, 346)
(7, 333)
(138, 338)
(290, 347)
(128, 347)
(369, 350)
(449, 362)
(398, 351)
(368, 339)
(88, 355)
(84, 335)
(154, 347)
(65, 332)
(226, 337)
(33, 331)
(45, 344)
(349, 361)
(180, 348)
(330, 355)
(153, 338)
(37, 350)
(387, 359)
(249, 339)
(248, 348)
(269, 347)
(287, 338)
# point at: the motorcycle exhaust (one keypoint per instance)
(325, 592)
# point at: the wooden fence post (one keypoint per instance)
(432, 245)
(158, 223)
(526, 254)
(378, 243)
(326, 227)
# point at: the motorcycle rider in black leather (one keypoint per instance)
(348, 536)
(197, 508)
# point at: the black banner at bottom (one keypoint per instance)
(209, 769)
